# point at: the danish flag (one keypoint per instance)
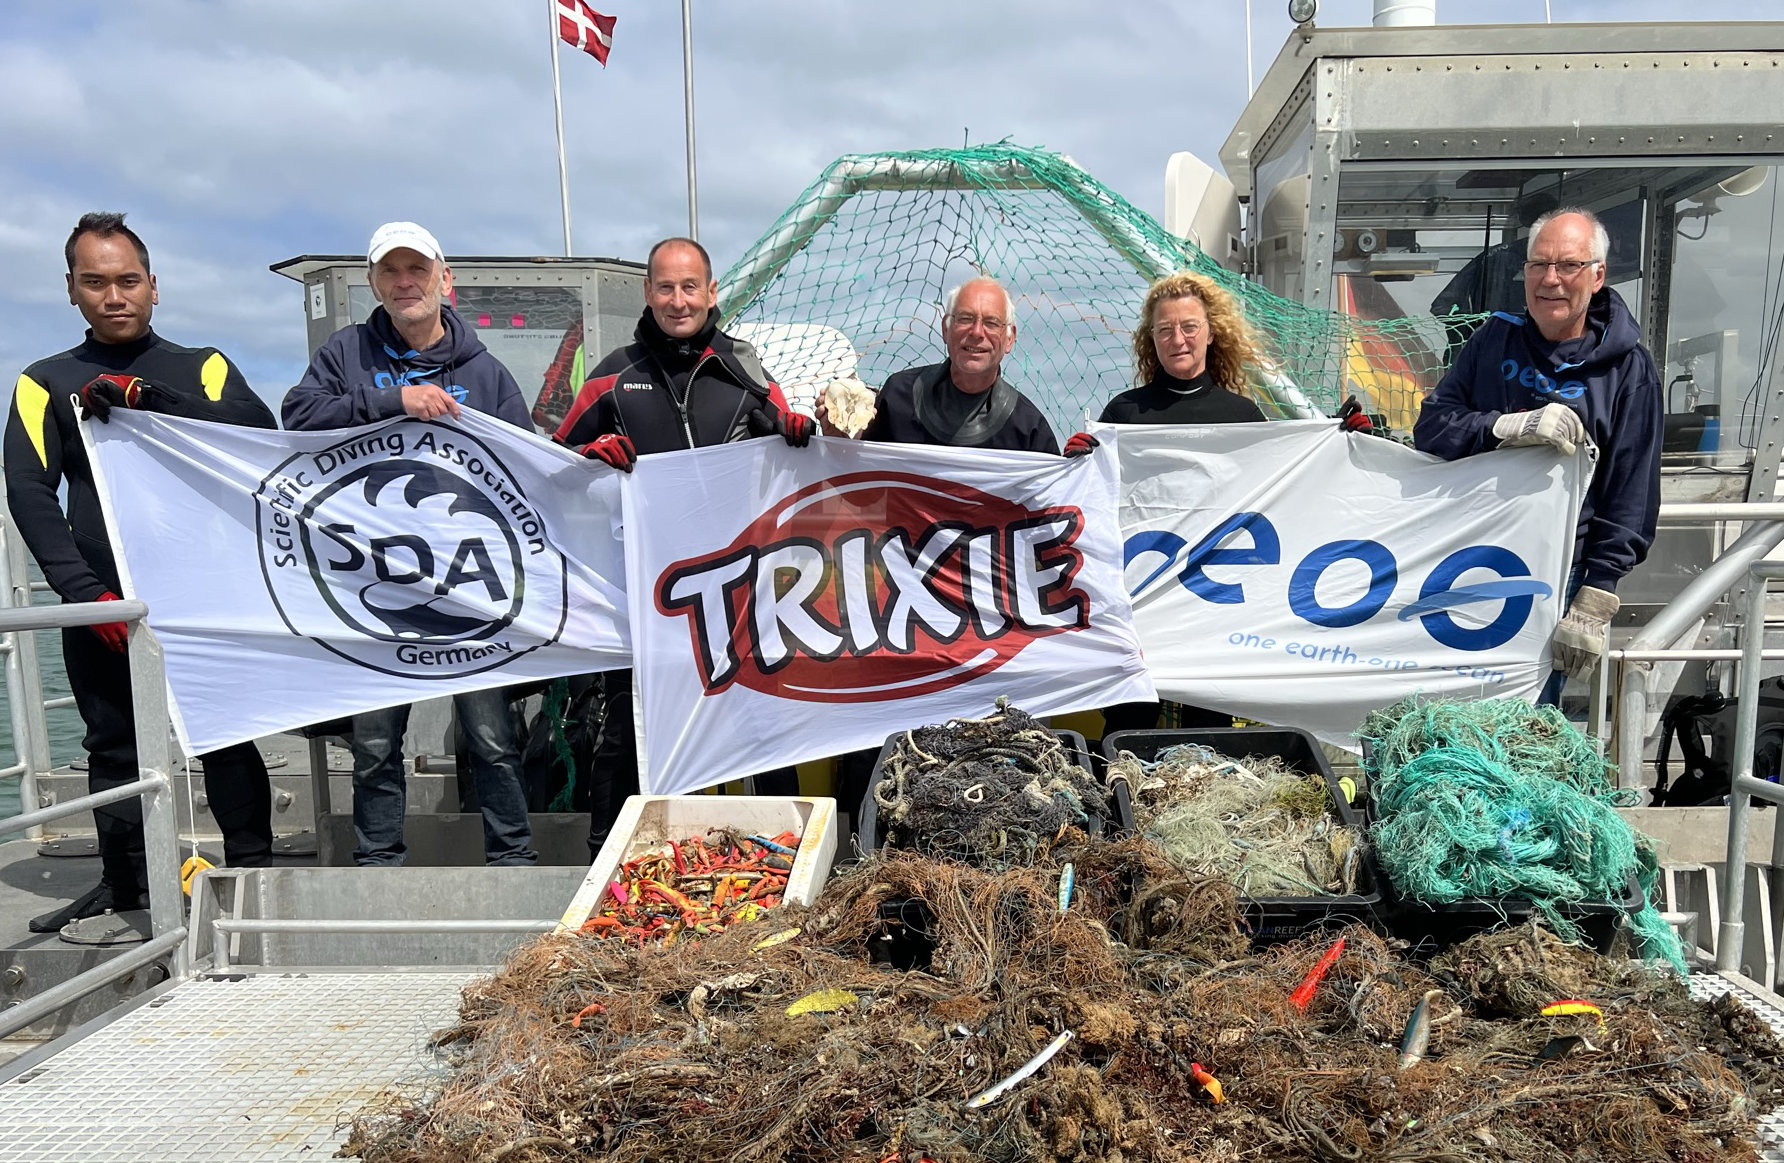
(582, 27)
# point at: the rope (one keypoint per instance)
(1497, 798)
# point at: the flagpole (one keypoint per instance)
(557, 97)
(687, 73)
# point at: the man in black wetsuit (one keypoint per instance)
(121, 364)
(964, 401)
(682, 383)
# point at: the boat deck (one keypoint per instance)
(233, 1067)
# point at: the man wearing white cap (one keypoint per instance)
(416, 357)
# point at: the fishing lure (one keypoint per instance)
(1417, 1038)
(1572, 1005)
(1303, 995)
(987, 1097)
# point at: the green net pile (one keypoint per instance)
(851, 279)
(1498, 798)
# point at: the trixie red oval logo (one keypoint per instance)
(878, 585)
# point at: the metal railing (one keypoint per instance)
(222, 927)
(1658, 641)
(154, 755)
(1744, 785)
(24, 680)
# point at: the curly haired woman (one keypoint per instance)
(1192, 352)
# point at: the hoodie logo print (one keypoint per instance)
(416, 375)
(1540, 383)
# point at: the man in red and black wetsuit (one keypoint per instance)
(121, 364)
(682, 383)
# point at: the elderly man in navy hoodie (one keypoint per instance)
(416, 357)
(1572, 368)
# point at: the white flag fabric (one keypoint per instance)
(1300, 575)
(790, 604)
(295, 577)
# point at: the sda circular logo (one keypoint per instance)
(412, 551)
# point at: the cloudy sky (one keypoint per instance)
(237, 133)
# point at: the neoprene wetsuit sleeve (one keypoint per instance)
(33, 451)
(221, 395)
(1449, 424)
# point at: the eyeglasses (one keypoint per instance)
(1188, 330)
(966, 321)
(1567, 268)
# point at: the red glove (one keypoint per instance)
(614, 448)
(795, 428)
(1352, 418)
(114, 634)
(103, 393)
(1080, 444)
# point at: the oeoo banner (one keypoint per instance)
(1297, 574)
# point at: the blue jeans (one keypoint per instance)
(380, 797)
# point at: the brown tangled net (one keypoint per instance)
(1003, 789)
(588, 1050)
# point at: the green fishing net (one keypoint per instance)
(851, 279)
(1498, 798)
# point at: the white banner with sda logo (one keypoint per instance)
(295, 577)
(1300, 575)
(790, 604)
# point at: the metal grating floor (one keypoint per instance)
(246, 1067)
(1768, 1005)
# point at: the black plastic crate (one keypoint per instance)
(867, 828)
(1269, 920)
(1433, 927)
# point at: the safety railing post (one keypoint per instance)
(24, 686)
(154, 756)
(1731, 931)
(154, 787)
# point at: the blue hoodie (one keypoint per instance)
(1608, 378)
(357, 376)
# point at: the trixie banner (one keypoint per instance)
(1297, 574)
(790, 604)
(295, 577)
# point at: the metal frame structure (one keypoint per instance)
(154, 751)
(1743, 785)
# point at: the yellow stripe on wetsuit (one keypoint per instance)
(212, 375)
(33, 401)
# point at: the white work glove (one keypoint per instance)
(1579, 639)
(1552, 424)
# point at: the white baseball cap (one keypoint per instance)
(392, 235)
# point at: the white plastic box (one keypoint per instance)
(646, 822)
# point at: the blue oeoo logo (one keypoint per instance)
(407, 376)
(1513, 371)
(1438, 593)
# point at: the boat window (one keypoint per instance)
(1723, 298)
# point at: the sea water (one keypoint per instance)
(64, 723)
